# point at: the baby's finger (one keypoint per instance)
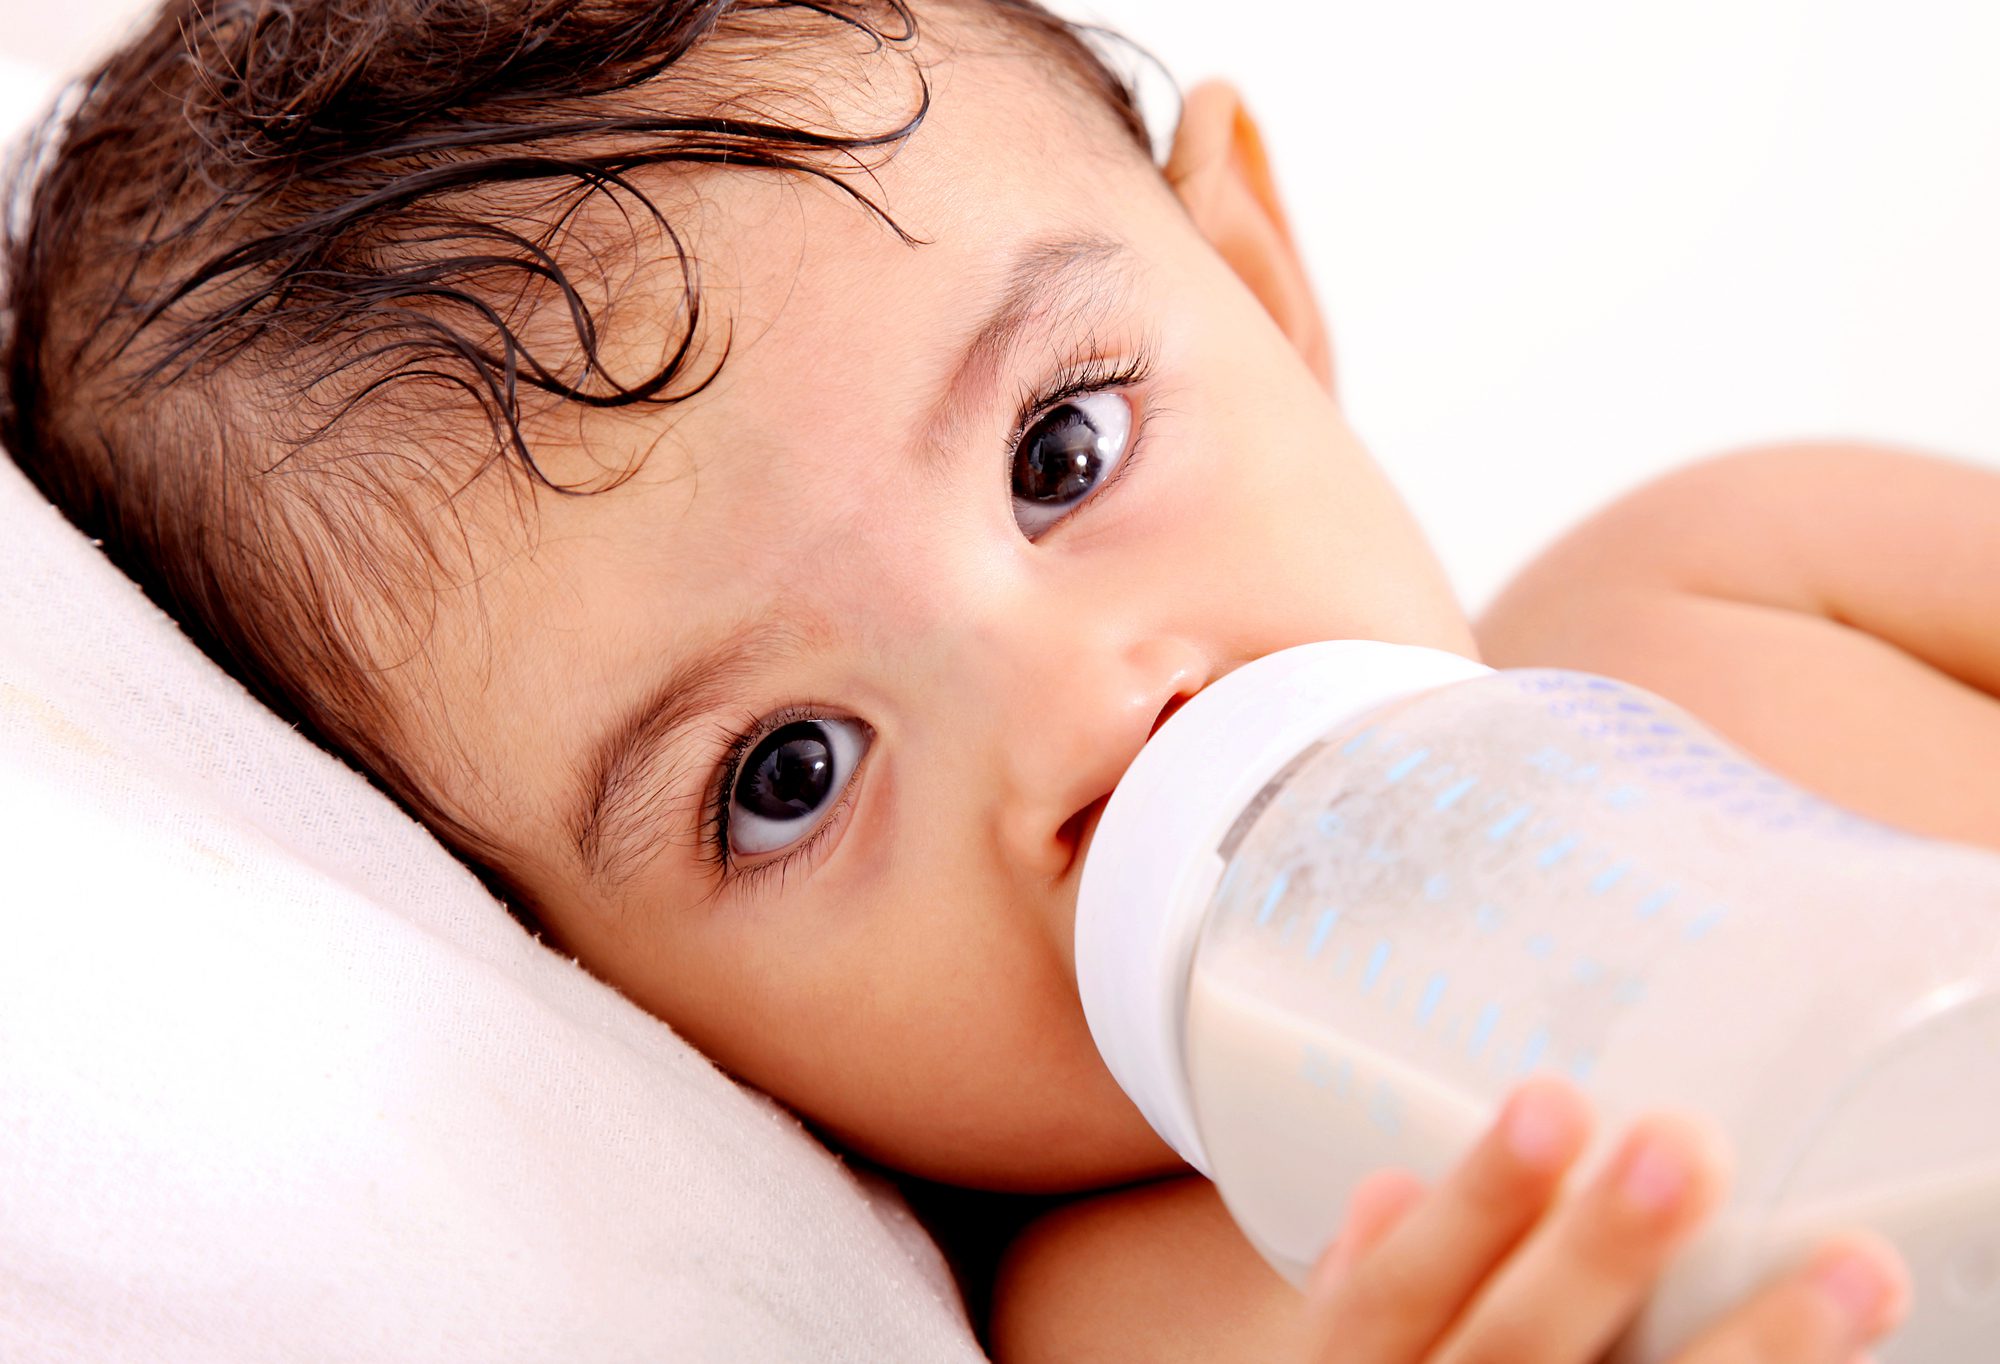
(1577, 1280)
(1393, 1302)
(1377, 1204)
(1850, 1293)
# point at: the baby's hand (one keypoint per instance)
(1491, 1268)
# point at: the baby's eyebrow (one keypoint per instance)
(623, 795)
(1042, 267)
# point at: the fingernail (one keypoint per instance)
(1655, 1175)
(1541, 1128)
(1856, 1284)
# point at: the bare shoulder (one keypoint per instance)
(1156, 1273)
(1829, 608)
(1828, 526)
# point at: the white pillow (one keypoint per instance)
(280, 1081)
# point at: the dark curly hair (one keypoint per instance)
(264, 262)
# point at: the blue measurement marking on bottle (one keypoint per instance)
(1540, 946)
(1330, 824)
(1405, 765)
(1509, 822)
(1427, 1005)
(1584, 773)
(1656, 902)
(1450, 795)
(1635, 707)
(1377, 959)
(1533, 1049)
(1704, 923)
(1623, 797)
(1586, 970)
(1556, 852)
(1487, 917)
(1437, 886)
(1279, 884)
(1328, 917)
(1358, 742)
(1609, 877)
(1482, 1029)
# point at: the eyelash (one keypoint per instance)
(1073, 379)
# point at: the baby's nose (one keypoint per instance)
(1068, 745)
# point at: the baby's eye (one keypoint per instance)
(1066, 455)
(789, 783)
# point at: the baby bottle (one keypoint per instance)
(1352, 892)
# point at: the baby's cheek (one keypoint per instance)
(966, 1058)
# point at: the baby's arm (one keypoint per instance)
(1156, 1273)
(1834, 610)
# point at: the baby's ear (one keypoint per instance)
(1218, 169)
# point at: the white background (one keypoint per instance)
(1567, 243)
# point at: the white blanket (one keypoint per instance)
(280, 1081)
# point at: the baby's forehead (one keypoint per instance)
(1003, 144)
(810, 300)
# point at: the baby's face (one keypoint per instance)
(798, 737)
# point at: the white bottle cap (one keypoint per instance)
(1153, 863)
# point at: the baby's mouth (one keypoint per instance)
(1078, 829)
(1167, 711)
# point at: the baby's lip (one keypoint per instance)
(1081, 827)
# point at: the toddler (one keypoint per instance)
(750, 474)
